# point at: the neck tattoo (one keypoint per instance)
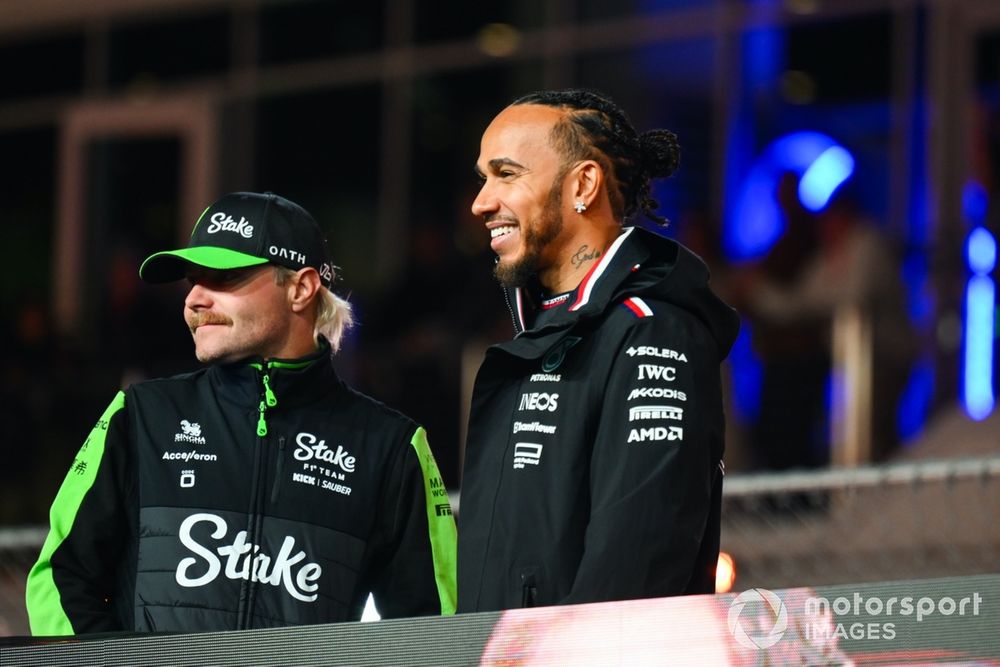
(584, 255)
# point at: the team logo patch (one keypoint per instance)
(190, 432)
(554, 358)
(223, 222)
(645, 412)
(527, 453)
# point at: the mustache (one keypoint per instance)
(201, 318)
(500, 217)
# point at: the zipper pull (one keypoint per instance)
(269, 396)
(261, 423)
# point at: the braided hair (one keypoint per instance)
(595, 128)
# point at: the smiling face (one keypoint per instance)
(521, 200)
(237, 314)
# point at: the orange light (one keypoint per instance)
(725, 573)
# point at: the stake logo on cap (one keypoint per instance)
(246, 229)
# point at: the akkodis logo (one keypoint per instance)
(763, 624)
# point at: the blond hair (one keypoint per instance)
(333, 313)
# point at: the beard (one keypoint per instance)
(535, 235)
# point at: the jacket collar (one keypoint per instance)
(592, 296)
(292, 381)
(596, 289)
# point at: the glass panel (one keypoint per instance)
(593, 10)
(666, 85)
(132, 211)
(171, 49)
(446, 20)
(847, 60)
(29, 208)
(48, 65)
(321, 150)
(292, 31)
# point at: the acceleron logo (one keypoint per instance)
(758, 618)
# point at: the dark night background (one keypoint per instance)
(369, 115)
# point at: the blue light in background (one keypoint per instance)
(975, 202)
(756, 221)
(916, 400)
(746, 376)
(981, 252)
(822, 178)
(980, 305)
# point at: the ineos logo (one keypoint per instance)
(539, 401)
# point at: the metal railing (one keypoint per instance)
(888, 522)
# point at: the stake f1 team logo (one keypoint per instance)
(766, 618)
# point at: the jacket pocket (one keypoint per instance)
(529, 589)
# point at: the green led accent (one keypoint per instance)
(43, 600)
(440, 524)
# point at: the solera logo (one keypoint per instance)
(767, 618)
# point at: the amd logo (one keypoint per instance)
(656, 434)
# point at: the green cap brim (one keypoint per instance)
(170, 265)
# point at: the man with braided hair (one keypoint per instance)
(593, 464)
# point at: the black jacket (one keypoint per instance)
(593, 461)
(250, 495)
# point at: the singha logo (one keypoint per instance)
(194, 430)
(190, 432)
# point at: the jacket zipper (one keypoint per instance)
(510, 309)
(268, 400)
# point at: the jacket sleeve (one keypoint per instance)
(416, 570)
(70, 589)
(655, 458)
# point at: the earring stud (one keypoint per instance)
(580, 206)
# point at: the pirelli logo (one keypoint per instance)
(644, 412)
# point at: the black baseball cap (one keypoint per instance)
(246, 229)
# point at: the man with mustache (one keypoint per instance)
(593, 463)
(260, 491)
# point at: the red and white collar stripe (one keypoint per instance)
(638, 307)
(589, 280)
